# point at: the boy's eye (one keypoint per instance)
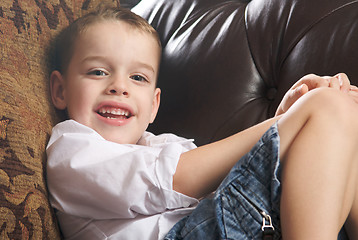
(138, 78)
(97, 73)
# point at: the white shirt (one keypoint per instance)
(106, 190)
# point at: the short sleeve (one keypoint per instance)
(91, 177)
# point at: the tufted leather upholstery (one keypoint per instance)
(227, 63)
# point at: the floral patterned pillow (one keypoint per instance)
(26, 115)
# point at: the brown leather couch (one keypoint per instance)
(227, 63)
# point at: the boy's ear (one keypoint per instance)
(57, 89)
(156, 103)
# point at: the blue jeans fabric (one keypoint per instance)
(253, 184)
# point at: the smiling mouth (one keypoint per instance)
(114, 113)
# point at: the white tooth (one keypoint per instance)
(120, 112)
(117, 112)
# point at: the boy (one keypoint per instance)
(108, 178)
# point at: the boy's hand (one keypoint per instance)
(353, 92)
(309, 82)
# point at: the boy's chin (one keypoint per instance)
(120, 140)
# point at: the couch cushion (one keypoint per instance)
(205, 54)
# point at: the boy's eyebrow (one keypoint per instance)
(145, 65)
(92, 58)
(139, 64)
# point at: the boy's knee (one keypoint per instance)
(334, 105)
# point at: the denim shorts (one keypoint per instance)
(236, 209)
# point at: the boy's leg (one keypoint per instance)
(352, 222)
(318, 140)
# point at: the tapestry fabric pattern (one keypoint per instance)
(26, 115)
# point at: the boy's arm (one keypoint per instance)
(201, 170)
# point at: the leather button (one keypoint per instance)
(271, 93)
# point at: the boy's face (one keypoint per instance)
(110, 82)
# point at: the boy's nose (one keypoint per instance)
(114, 91)
(118, 87)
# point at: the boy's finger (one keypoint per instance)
(353, 88)
(297, 93)
(335, 82)
(354, 94)
(304, 89)
(344, 81)
(313, 81)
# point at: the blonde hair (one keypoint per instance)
(62, 47)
